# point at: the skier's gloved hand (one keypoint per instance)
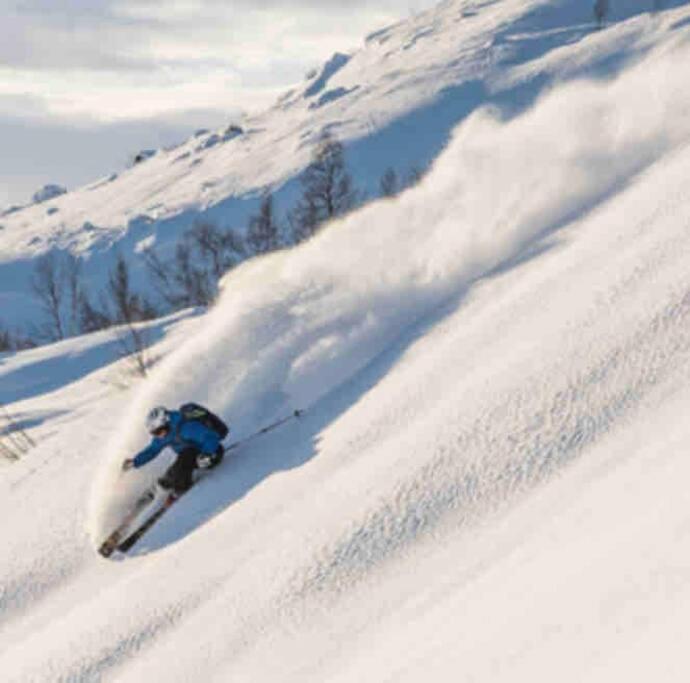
(204, 461)
(127, 464)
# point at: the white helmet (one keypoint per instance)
(157, 419)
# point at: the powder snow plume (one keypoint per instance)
(292, 326)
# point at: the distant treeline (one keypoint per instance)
(205, 252)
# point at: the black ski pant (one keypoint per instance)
(178, 477)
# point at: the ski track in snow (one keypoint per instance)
(463, 350)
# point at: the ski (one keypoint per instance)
(127, 544)
(108, 546)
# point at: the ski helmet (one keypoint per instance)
(157, 419)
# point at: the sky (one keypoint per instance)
(85, 84)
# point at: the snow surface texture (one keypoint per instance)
(489, 482)
(394, 103)
(293, 326)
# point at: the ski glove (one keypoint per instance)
(204, 461)
(127, 464)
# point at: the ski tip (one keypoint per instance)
(114, 555)
(108, 553)
(106, 548)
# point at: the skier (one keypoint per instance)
(193, 432)
(196, 435)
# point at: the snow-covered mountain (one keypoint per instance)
(394, 103)
(488, 482)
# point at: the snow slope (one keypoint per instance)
(488, 483)
(394, 102)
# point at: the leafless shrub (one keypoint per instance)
(57, 282)
(200, 259)
(129, 310)
(414, 176)
(389, 185)
(6, 341)
(263, 232)
(601, 11)
(193, 280)
(91, 318)
(10, 341)
(71, 267)
(134, 343)
(49, 285)
(14, 441)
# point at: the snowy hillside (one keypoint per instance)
(394, 103)
(489, 483)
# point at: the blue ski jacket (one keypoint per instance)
(182, 434)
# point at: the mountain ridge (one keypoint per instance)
(393, 103)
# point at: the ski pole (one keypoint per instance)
(267, 428)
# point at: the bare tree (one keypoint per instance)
(48, 283)
(414, 176)
(6, 341)
(57, 281)
(328, 189)
(127, 305)
(10, 341)
(304, 220)
(601, 11)
(134, 344)
(235, 247)
(129, 309)
(209, 241)
(263, 233)
(72, 275)
(218, 250)
(193, 281)
(122, 300)
(91, 319)
(179, 281)
(202, 256)
(162, 278)
(389, 185)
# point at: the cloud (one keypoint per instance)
(39, 148)
(115, 59)
(73, 35)
(122, 67)
(124, 35)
